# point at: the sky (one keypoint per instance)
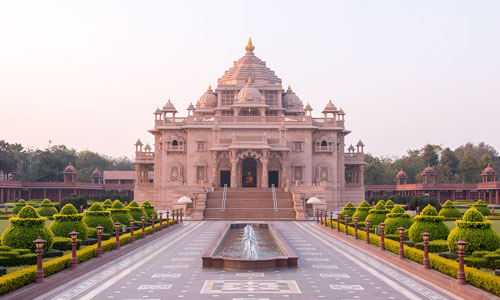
(90, 74)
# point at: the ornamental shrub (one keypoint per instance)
(448, 210)
(150, 209)
(47, 208)
(429, 221)
(107, 204)
(482, 207)
(96, 215)
(474, 230)
(26, 228)
(136, 211)
(397, 218)
(64, 243)
(119, 213)
(389, 205)
(362, 211)
(349, 210)
(377, 214)
(68, 220)
(435, 246)
(18, 206)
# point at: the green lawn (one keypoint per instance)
(5, 223)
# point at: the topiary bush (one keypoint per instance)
(435, 246)
(349, 210)
(389, 205)
(47, 208)
(150, 209)
(26, 228)
(107, 204)
(474, 230)
(136, 211)
(448, 210)
(68, 220)
(18, 206)
(377, 214)
(96, 215)
(482, 207)
(429, 221)
(397, 218)
(64, 243)
(362, 211)
(119, 213)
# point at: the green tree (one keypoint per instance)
(430, 155)
(469, 167)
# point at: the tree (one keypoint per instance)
(449, 159)
(430, 155)
(485, 160)
(469, 167)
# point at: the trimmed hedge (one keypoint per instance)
(482, 207)
(96, 215)
(47, 208)
(68, 220)
(377, 214)
(389, 205)
(136, 211)
(150, 209)
(107, 204)
(18, 206)
(62, 243)
(435, 246)
(397, 218)
(26, 228)
(428, 221)
(119, 213)
(474, 230)
(362, 211)
(449, 211)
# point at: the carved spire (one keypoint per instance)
(249, 47)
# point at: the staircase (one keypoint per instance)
(249, 204)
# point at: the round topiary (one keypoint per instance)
(389, 205)
(96, 215)
(397, 218)
(362, 211)
(349, 210)
(428, 221)
(150, 209)
(448, 210)
(68, 220)
(377, 214)
(18, 206)
(474, 230)
(136, 211)
(119, 213)
(482, 207)
(107, 204)
(47, 208)
(26, 228)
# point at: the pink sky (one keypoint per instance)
(90, 74)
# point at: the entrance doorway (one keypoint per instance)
(249, 172)
(273, 178)
(225, 178)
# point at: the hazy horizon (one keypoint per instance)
(89, 75)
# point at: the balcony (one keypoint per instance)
(144, 157)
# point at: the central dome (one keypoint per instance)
(249, 93)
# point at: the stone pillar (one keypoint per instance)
(265, 161)
(496, 197)
(234, 177)
(1, 196)
(283, 170)
(214, 169)
(60, 192)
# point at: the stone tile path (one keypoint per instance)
(170, 268)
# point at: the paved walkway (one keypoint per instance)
(170, 268)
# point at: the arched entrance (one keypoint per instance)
(249, 172)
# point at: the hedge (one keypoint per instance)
(18, 279)
(18, 206)
(482, 207)
(136, 211)
(107, 204)
(389, 205)
(448, 210)
(428, 221)
(397, 218)
(435, 246)
(362, 211)
(377, 214)
(96, 216)
(475, 277)
(150, 209)
(62, 243)
(47, 208)
(119, 213)
(68, 220)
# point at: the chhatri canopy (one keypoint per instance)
(184, 200)
(313, 200)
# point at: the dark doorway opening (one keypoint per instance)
(273, 178)
(225, 178)
(249, 172)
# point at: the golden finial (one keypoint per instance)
(249, 79)
(249, 47)
(209, 86)
(289, 87)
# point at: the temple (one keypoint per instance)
(249, 148)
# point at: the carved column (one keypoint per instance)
(265, 161)
(234, 160)
(284, 183)
(214, 169)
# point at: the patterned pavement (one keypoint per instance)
(170, 268)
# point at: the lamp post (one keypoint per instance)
(317, 217)
(338, 222)
(74, 261)
(161, 220)
(153, 223)
(182, 213)
(401, 253)
(143, 219)
(326, 218)
(367, 222)
(39, 263)
(132, 230)
(331, 220)
(346, 217)
(176, 216)
(168, 221)
(461, 252)
(356, 227)
(321, 217)
(382, 236)
(98, 252)
(117, 231)
(425, 237)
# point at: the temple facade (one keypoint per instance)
(249, 134)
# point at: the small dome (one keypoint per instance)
(69, 169)
(158, 111)
(290, 99)
(428, 170)
(360, 144)
(489, 171)
(138, 143)
(249, 93)
(341, 111)
(401, 174)
(96, 173)
(329, 107)
(351, 148)
(208, 99)
(308, 107)
(169, 106)
(191, 106)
